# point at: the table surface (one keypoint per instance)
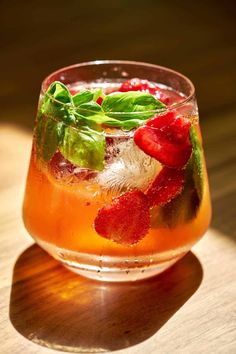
(191, 307)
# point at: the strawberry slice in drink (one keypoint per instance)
(166, 138)
(166, 186)
(126, 220)
(173, 124)
(136, 84)
(162, 121)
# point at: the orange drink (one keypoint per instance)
(117, 185)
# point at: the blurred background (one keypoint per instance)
(197, 38)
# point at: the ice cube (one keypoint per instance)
(64, 171)
(127, 167)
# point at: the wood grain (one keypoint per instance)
(191, 307)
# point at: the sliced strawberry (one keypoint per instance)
(156, 143)
(166, 138)
(173, 124)
(167, 185)
(178, 131)
(136, 84)
(126, 220)
(162, 120)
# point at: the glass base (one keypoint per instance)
(114, 269)
(120, 275)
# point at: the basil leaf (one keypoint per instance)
(52, 137)
(84, 147)
(127, 103)
(82, 97)
(197, 165)
(38, 131)
(48, 133)
(58, 104)
(74, 123)
(89, 108)
(98, 93)
(60, 92)
(99, 119)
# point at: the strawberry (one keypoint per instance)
(162, 120)
(173, 124)
(167, 185)
(99, 100)
(179, 130)
(126, 220)
(166, 138)
(144, 86)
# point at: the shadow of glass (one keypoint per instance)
(58, 309)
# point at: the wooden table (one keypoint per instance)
(188, 309)
(191, 307)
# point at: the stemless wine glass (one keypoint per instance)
(117, 194)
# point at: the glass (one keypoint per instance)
(140, 209)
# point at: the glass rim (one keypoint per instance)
(129, 62)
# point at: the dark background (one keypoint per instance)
(197, 38)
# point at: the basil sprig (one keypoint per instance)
(73, 124)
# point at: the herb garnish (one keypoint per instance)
(74, 124)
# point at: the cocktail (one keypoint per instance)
(117, 185)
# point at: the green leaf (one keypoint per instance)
(84, 147)
(74, 123)
(98, 93)
(52, 136)
(57, 90)
(197, 165)
(38, 131)
(89, 108)
(49, 133)
(185, 206)
(127, 103)
(58, 104)
(82, 97)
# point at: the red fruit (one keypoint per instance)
(126, 220)
(166, 138)
(99, 100)
(173, 124)
(167, 185)
(178, 131)
(163, 120)
(144, 86)
(136, 84)
(156, 143)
